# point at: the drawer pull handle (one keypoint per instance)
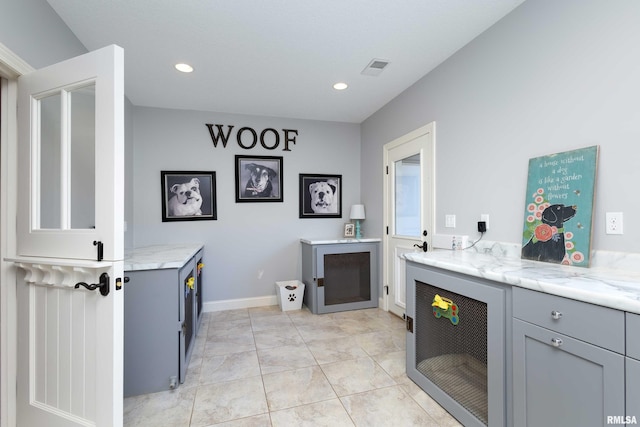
(556, 342)
(556, 315)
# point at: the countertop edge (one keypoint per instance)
(617, 291)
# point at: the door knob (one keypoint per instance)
(424, 246)
(103, 285)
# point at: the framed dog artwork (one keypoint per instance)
(320, 196)
(258, 179)
(188, 196)
(558, 216)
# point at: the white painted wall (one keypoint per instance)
(247, 238)
(549, 77)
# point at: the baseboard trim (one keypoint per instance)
(234, 304)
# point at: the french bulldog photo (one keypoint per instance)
(186, 199)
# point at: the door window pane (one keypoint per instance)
(407, 196)
(82, 162)
(50, 162)
(66, 156)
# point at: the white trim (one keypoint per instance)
(11, 67)
(233, 304)
(426, 129)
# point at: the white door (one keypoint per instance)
(409, 190)
(70, 232)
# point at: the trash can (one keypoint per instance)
(290, 294)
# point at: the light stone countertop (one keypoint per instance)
(159, 257)
(611, 282)
(337, 241)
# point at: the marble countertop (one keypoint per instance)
(335, 241)
(607, 286)
(159, 257)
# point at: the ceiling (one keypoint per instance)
(278, 57)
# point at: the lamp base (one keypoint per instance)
(358, 233)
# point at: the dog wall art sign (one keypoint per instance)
(258, 179)
(248, 138)
(188, 196)
(320, 196)
(559, 207)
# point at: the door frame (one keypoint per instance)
(431, 170)
(11, 67)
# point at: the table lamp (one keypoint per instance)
(357, 213)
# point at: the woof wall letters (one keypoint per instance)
(248, 138)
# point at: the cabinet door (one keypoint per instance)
(569, 383)
(633, 388)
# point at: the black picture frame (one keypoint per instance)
(314, 189)
(176, 186)
(258, 179)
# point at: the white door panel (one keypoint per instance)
(408, 200)
(70, 338)
(69, 136)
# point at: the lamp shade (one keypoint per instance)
(357, 212)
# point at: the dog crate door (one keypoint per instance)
(345, 275)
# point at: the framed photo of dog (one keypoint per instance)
(320, 196)
(188, 196)
(258, 179)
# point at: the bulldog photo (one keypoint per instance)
(320, 196)
(188, 196)
(323, 196)
(186, 199)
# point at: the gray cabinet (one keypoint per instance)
(632, 365)
(161, 317)
(340, 276)
(568, 361)
(458, 355)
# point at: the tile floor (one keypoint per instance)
(264, 367)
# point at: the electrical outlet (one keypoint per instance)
(459, 243)
(614, 223)
(485, 218)
(450, 221)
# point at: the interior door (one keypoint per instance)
(408, 207)
(70, 237)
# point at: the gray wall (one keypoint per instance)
(33, 31)
(247, 238)
(551, 76)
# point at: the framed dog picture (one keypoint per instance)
(188, 196)
(558, 216)
(258, 179)
(349, 230)
(320, 196)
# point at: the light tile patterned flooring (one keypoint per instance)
(264, 367)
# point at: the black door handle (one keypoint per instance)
(103, 285)
(424, 246)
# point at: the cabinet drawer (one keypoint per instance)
(597, 325)
(633, 336)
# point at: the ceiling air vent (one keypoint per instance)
(375, 67)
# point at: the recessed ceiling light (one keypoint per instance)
(340, 86)
(185, 68)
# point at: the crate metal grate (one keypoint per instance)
(454, 357)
